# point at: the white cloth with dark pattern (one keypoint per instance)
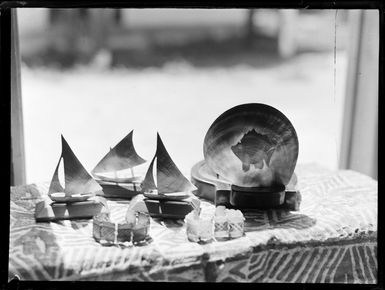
(333, 238)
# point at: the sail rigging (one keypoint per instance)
(122, 156)
(169, 178)
(77, 179)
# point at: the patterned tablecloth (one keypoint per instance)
(333, 238)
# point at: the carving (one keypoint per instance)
(253, 149)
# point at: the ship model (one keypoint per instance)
(115, 171)
(170, 183)
(167, 192)
(73, 199)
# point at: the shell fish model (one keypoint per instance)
(252, 145)
(253, 149)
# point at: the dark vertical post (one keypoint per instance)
(359, 144)
(118, 17)
(249, 27)
(5, 27)
(54, 15)
(250, 23)
(287, 29)
(17, 126)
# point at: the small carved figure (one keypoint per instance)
(253, 148)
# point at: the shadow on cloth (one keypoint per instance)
(274, 219)
(172, 224)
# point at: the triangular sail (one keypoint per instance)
(148, 183)
(55, 185)
(122, 156)
(77, 179)
(169, 178)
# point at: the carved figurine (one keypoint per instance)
(253, 149)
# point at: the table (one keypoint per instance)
(333, 238)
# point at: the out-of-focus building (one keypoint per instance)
(77, 35)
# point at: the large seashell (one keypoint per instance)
(252, 145)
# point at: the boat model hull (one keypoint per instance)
(158, 208)
(123, 190)
(110, 178)
(60, 197)
(168, 209)
(167, 196)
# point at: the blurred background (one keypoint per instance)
(93, 75)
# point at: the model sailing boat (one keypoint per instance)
(170, 183)
(166, 191)
(111, 171)
(73, 199)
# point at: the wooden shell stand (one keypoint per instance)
(210, 187)
(260, 197)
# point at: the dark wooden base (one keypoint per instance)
(291, 201)
(119, 190)
(47, 210)
(168, 209)
(257, 197)
(214, 189)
